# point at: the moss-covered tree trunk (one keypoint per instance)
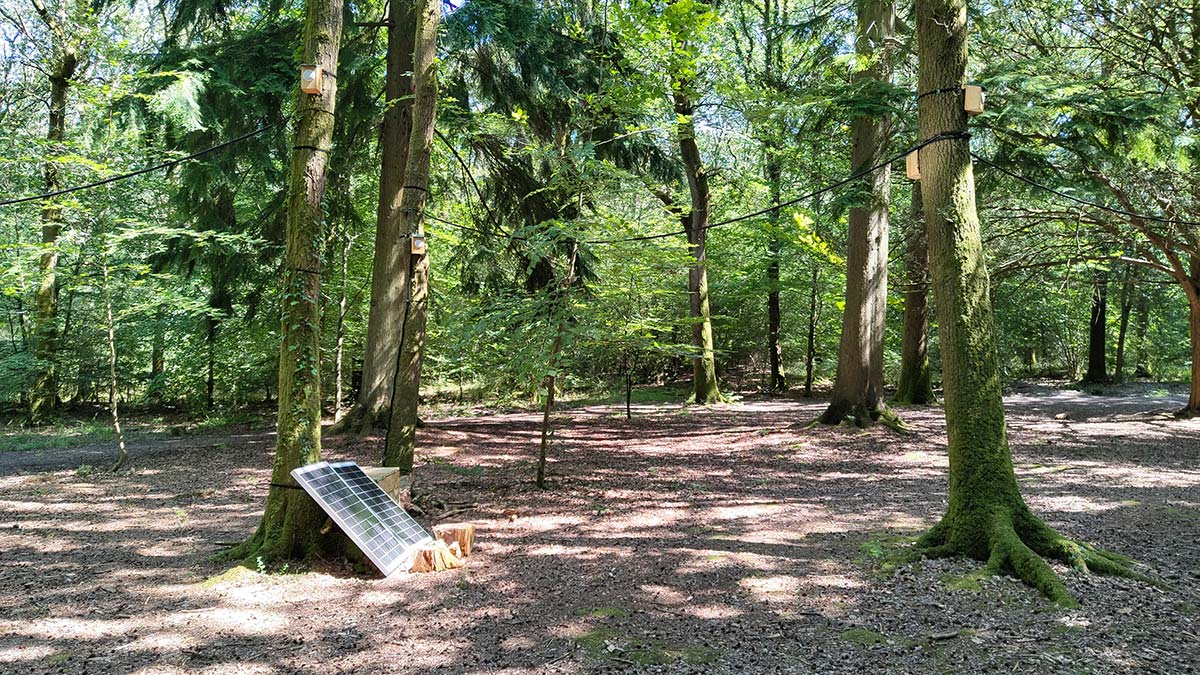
(915, 386)
(390, 270)
(704, 365)
(402, 425)
(858, 390)
(986, 517)
(291, 520)
(43, 399)
(1097, 368)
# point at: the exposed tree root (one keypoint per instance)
(860, 417)
(1187, 413)
(1018, 544)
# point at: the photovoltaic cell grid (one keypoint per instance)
(371, 518)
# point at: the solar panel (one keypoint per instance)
(383, 530)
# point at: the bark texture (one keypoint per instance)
(390, 269)
(704, 366)
(410, 217)
(858, 389)
(916, 382)
(291, 520)
(1097, 369)
(986, 517)
(43, 399)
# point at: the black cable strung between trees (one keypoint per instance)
(139, 172)
(957, 135)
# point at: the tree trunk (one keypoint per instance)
(776, 382)
(122, 454)
(858, 389)
(1141, 325)
(157, 358)
(1097, 369)
(814, 315)
(290, 526)
(916, 382)
(1193, 404)
(390, 270)
(986, 517)
(705, 388)
(339, 351)
(43, 400)
(1127, 291)
(410, 350)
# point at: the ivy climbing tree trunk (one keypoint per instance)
(916, 383)
(410, 349)
(858, 389)
(1097, 369)
(390, 269)
(291, 520)
(65, 63)
(986, 517)
(705, 388)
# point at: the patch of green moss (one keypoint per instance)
(603, 612)
(863, 637)
(56, 659)
(1187, 608)
(964, 582)
(609, 644)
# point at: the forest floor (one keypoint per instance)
(720, 539)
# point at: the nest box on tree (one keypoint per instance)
(310, 78)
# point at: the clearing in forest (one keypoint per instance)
(722, 539)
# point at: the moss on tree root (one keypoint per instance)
(1017, 543)
(860, 416)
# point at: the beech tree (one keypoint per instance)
(986, 517)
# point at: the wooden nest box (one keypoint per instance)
(912, 166)
(310, 78)
(974, 98)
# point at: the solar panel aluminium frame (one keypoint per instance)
(367, 514)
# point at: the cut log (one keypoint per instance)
(435, 557)
(462, 534)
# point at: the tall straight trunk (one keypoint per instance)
(157, 356)
(986, 517)
(390, 269)
(291, 519)
(1127, 291)
(1097, 368)
(916, 382)
(1193, 404)
(410, 350)
(776, 380)
(339, 351)
(122, 454)
(814, 316)
(705, 388)
(43, 399)
(1141, 326)
(773, 166)
(858, 389)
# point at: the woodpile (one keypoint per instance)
(452, 543)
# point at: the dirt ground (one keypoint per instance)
(725, 539)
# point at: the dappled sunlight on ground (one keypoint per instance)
(723, 539)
